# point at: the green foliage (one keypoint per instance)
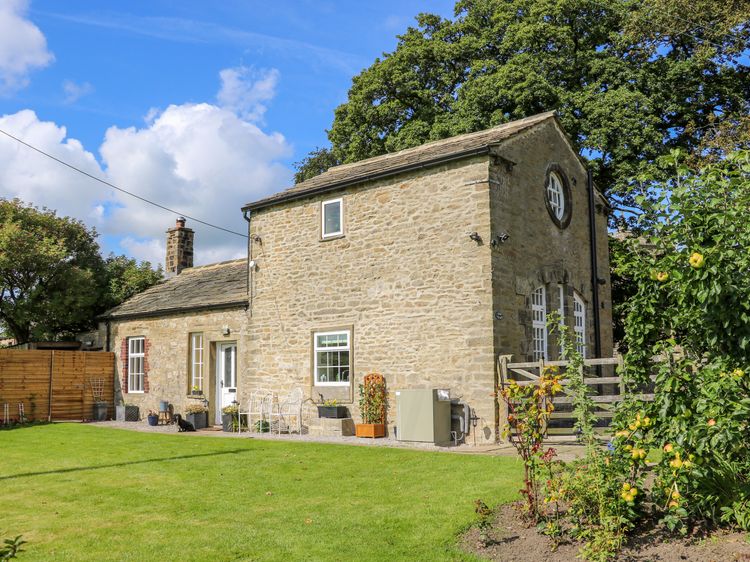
(53, 281)
(125, 277)
(601, 492)
(630, 79)
(372, 399)
(484, 521)
(690, 309)
(11, 548)
(529, 410)
(314, 164)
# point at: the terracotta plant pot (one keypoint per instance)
(371, 430)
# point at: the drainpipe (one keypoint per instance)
(106, 323)
(594, 265)
(246, 216)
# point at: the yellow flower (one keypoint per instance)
(634, 491)
(738, 373)
(673, 504)
(625, 486)
(675, 495)
(646, 422)
(668, 448)
(711, 422)
(623, 433)
(662, 276)
(696, 260)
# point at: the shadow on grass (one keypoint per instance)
(117, 464)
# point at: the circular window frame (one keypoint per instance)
(556, 169)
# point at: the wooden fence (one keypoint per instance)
(54, 385)
(600, 373)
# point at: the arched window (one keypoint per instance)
(556, 196)
(539, 324)
(579, 323)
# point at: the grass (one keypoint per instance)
(78, 492)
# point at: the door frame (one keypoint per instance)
(220, 376)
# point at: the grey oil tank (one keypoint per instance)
(423, 415)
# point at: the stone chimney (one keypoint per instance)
(179, 248)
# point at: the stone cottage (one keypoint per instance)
(423, 265)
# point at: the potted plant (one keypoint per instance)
(331, 409)
(229, 417)
(153, 418)
(195, 391)
(197, 414)
(372, 404)
(127, 412)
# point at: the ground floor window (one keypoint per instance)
(579, 323)
(196, 361)
(136, 364)
(332, 358)
(539, 324)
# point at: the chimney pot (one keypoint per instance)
(180, 223)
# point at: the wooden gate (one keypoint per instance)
(602, 374)
(55, 385)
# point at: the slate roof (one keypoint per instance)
(215, 286)
(390, 164)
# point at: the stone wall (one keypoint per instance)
(405, 278)
(537, 251)
(168, 355)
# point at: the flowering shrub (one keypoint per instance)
(529, 409)
(690, 307)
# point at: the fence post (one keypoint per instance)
(501, 374)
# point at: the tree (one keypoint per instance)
(630, 79)
(125, 277)
(53, 281)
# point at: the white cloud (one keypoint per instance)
(246, 91)
(23, 47)
(202, 160)
(74, 92)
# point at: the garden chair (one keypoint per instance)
(288, 413)
(258, 411)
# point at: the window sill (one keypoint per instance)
(136, 392)
(332, 237)
(329, 384)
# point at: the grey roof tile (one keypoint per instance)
(209, 286)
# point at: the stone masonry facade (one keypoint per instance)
(431, 278)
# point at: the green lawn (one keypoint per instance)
(78, 492)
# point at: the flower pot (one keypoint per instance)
(332, 412)
(153, 420)
(199, 420)
(227, 422)
(371, 430)
(196, 393)
(100, 411)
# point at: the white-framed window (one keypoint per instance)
(332, 217)
(561, 312)
(539, 324)
(196, 361)
(136, 364)
(579, 323)
(556, 195)
(332, 358)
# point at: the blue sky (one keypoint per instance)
(200, 106)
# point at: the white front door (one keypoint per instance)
(226, 376)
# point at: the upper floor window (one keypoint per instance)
(557, 196)
(539, 324)
(332, 216)
(579, 323)
(136, 364)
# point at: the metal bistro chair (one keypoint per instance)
(258, 412)
(288, 413)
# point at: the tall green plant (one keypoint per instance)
(372, 399)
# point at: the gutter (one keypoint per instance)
(594, 265)
(295, 195)
(177, 310)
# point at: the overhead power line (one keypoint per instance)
(113, 186)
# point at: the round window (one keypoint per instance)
(557, 196)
